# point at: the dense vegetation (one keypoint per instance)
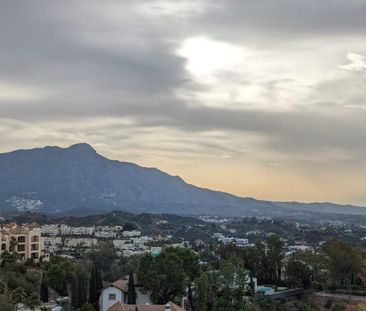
(212, 276)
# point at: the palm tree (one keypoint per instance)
(18, 295)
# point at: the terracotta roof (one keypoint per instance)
(13, 228)
(119, 306)
(121, 284)
(19, 231)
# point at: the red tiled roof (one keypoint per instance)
(121, 284)
(119, 306)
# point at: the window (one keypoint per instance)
(35, 238)
(34, 247)
(112, 297)
(21, 239)
(3, 247)
(21, 248)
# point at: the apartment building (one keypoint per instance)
(26, 240)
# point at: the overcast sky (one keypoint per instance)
(259, 98)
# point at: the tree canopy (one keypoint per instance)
(167, 274)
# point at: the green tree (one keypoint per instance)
(33, 301)
(12, 244)
(86, 307)
(201, 293)
(222, 290)
(18, 296)
(74, 289)
(229, 252)
(298, 273)
(2, 288)
(275, 256)
(253, 262)
(189, 259)
(206, 289)
(99, 280)
(93, 286)
(44, 291)
(317, 263)
(131, 290)
(78, 288)
(343, 262)
(129, 226)
(82, 289)
(60, 275)
(9, 258)
(231, 295)
(104, 258)
(262, 264)
(6, 306)
(163, 275)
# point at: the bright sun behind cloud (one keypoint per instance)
(205, 56)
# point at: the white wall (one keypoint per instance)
(104, 302)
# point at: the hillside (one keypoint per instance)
(78, 181)
(58, 180)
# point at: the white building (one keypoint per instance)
(132, 233)
(241, 242)
(26, 240)
(52, 244)
(118, 292)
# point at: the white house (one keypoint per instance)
(118, 292)
(115, 292)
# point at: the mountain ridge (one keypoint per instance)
(54, 179)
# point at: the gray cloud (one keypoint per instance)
(41, 48)
(269, 22)
(100, 65)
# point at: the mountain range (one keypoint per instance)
(77, 180)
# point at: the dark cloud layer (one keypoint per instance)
(64, 62)
(287, 19)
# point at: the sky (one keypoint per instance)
(263, 99)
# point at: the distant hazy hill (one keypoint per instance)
(78, 180)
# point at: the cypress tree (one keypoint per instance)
(99, 281)
(131, 294)
(44, 292)
(75, 301)
(82, 289)
(93, 291)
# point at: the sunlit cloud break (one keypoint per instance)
(248, 97)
